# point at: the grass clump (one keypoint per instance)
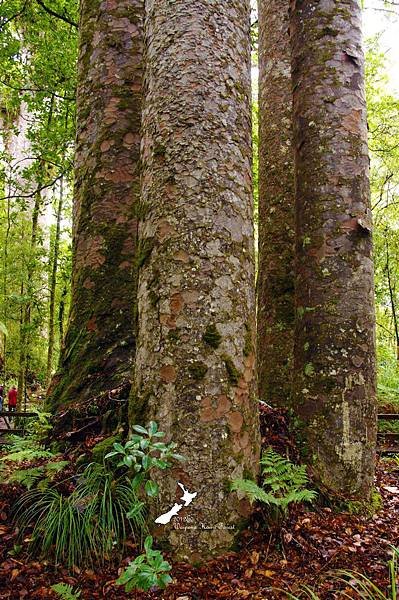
(86, 526)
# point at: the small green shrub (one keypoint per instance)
(283, 483)
(142, 453)
(146, 571)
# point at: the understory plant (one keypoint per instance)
(31, 445)
(85, 526)
(143, 452)
(40, 476)
(146, 571)
(65, 591)
(106, 505)
(282, 484)
(20, 449)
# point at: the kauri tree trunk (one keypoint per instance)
(334, 347)
(99, 345)
(276, 311)
(195, 347)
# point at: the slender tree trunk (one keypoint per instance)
(276, 300)
(53, 284)
(335, 331)
(99, 345)
(195, 355)
(24, 338)
(61, 312)
(392, 299)
(5, 281)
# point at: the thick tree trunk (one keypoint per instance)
(53, 285)
(99, 346)
(334, 353)
(276, 312)
(195, 352)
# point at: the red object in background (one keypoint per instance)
(12, 397)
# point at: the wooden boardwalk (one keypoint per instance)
(7, 421)
(388, 441)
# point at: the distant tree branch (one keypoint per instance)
(384, 10)
(18, 14)
(51, 12)
(37, 190)
(37, 90)
(382, 189)
(385, 329)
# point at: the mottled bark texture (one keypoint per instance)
(195, 348)
(276, 311)
(99, 346)
(334, 345)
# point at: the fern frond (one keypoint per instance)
(56, 466)
(26, 477)
(27, 454)
(283, 483)
(253, 492)
(297, 496)
(66, 591)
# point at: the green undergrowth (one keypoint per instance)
(86, 518)
(388, 379)
(366, 508)
(282, 484)
(388, 426)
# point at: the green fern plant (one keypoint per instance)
(26, 477)
(31, 477)
(66, 591)
(19, 449)
(283, 483)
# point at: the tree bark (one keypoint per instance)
(98, 352)
(276, 301)
(335, 382)
(195, 351)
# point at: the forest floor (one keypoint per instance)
(311, 544)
